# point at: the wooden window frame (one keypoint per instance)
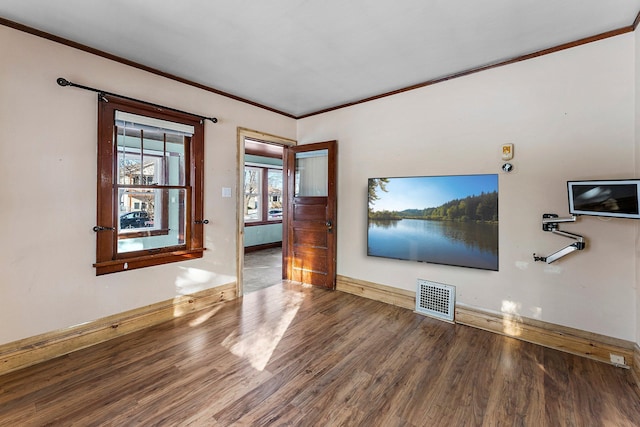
(108, 260)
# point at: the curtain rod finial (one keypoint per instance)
(63, 82)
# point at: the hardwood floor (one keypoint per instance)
(292, 355)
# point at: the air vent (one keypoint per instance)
(435, 300)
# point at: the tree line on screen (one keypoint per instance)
(478, 208)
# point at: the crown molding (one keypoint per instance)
(88, 49)
(106, 55)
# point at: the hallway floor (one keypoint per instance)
(262, 269)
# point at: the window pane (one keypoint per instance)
(129, 145)
(275, 194)
(175, 159)
(311, 173)
(159, 222)
(150, 156)
(153, 148)
(138, 209)
(252, 194)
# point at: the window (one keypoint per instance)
(252, 194)
(150, 180)
(274, 177)
(262, 195)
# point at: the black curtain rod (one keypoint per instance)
(64, 82)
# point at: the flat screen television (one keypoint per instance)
(450, 220)
(611, 198)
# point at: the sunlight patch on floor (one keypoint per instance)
(258, 346)
(205, 316)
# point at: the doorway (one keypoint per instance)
(260, 207)
(262, 268)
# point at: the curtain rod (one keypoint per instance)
(101, 93)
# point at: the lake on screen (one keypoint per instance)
(465, 244)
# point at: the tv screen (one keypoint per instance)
(612, 198)
(451, 220)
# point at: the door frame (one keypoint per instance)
(243, 133)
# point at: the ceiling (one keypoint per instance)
(302, 56)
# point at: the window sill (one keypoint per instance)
(144, 233)
(115, 266)
(254, 223)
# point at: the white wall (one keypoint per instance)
(570, 115)
(48, 189)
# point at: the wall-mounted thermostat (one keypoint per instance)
(507, 151)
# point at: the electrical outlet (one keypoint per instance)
(615, 359)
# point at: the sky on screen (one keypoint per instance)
(432, 191)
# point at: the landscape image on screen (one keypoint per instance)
(450, 220)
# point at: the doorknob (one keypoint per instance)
(329, 226)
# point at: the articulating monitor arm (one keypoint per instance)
(550, 224)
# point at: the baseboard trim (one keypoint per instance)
(374, 291)
(574, 341)
(570, 340)
(30, 351)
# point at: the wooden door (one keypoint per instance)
(310, 215)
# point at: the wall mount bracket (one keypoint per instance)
(550, 224)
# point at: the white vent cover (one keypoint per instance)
(436, 300)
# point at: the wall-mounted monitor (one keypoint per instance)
(610, 198)
(450, 220)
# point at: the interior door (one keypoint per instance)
(310, 217)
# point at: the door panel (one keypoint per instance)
(310, 261)
(310, 231)
(311, 238)
(309, 212)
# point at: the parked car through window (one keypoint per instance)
(137, 219)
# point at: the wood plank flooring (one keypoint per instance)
(293, 355)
